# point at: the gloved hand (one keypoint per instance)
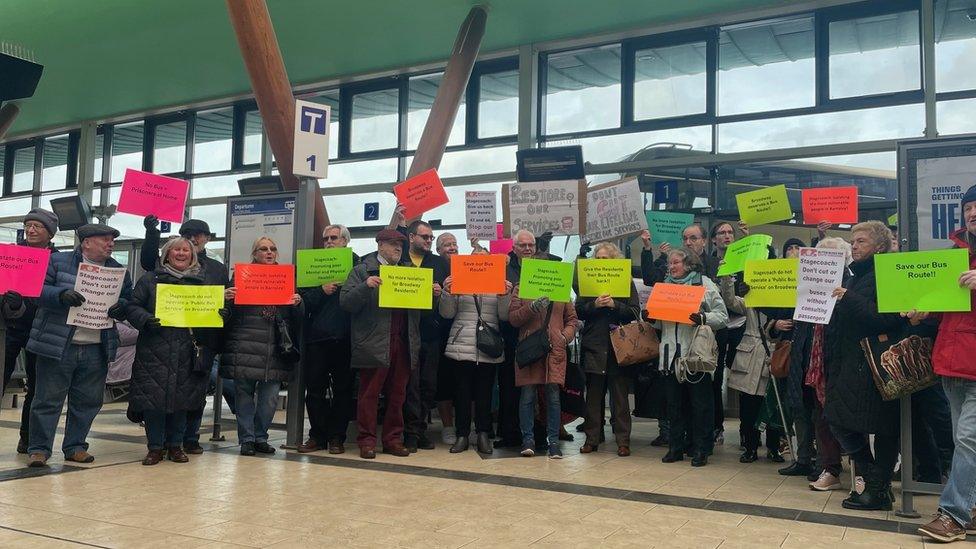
(224, 314)
(13, 299)
(540, 304)
(117, 312)
(152, 323)
(150, 222)
(72, 298)
(698, 319)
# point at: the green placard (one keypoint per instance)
(772, 282)
(406, 287)
(542, 278)
(667, 226)
(924, 281)
(754, 246)
(766, 205)
(189, 306)
(323, 266)
(604, 276)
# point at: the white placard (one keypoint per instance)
(643, 292)
(480, 215)
(941, 183)
(544, 206)
(821, 271)
(614, 210)
(101, 287)
(311, 139)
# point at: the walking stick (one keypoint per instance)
(782, 415)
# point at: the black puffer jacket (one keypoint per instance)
(250, 342)
(162, 375)
(852, 400)
(324, 318)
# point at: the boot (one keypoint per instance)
(484, 443)
(460, 445)
(876, 495)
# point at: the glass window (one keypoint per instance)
(169, 155)
(215, 215)
(8, 231)
(55, 161)
(423, 90)
(498, 104)
(375, 120)
(220, 185)
(669, 81)
(383, 170)
(45, 199)
(215, 249)
(253, 126)
(213, 140)
(955, 45)
(583, 90)
(766, 67)
(874, 55)
(627, 146)
(99, 157)
(126, 150)
(23, 179)
(476, 161)
(349, 210)
(331, 98)
(130, 226)
(956, 116)
(3, 163)
(15, 206)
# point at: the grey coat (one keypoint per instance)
(675, 336)
(750, 371)
(462, 337)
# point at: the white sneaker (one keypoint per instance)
(449, 436)
(827, 481)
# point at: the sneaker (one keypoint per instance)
(263, 448)
(528, 449)
(449, 436)
(555, 452)
(943, 528)
(827, 481)
(247, 448)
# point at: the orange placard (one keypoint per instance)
(421, 193)
(674, 302)
(477, 274)
(259, 284)
(830, 204)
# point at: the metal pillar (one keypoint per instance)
(928, 66)
(528, 113)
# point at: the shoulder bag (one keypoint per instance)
(701, 356)
(535, 346)
(899, 366)
(635, 343)
(488, 340)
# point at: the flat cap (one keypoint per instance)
(96, 229)
(195, 226)
(390, 235)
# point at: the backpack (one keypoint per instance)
(701, 356)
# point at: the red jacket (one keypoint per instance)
(953, 355)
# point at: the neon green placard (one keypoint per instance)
(189, 306)
(406, 287)
(754, 246)
(765, 205)
(603, 276)
(667, 226)
(924, 281)
(542, 278)
(323, 266)
(772, 282)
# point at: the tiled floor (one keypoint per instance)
(428, 500)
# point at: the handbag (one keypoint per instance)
(779, 363)
(635, 343)
(488, 339)
(285, 347)
(535, 346)
(899, 366)
(701, 356)
(203, 356)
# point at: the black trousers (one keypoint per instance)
(10, 363)
(508, 400)
(727, 341)
(749, 408)
(700, 423)
(327, 367)
(473, 382)
(421, 390)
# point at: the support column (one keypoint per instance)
(928, 66)
(528, 113)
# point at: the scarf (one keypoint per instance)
(194, 270)
(815, 372)
(688, 279)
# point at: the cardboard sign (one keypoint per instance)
(542, 278)
(480, 216)
(145, 193)
(311, 155)
(830, 204)
(554, 206)
(189, 306)
(406, 287)
(754, 246)
(766, 205)
(924, 281)
(821, 271)
(260, 284)
(323, 266)
(614, 210)
(101, 287)
(667, 226)
(603, 276)
(674, 302)
(772, 282)
(501, 247)
(22, 269)
(477, 274)
(421, 193)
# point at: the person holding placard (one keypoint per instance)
(260, 349)
(446, 246)
(693, 238)
(167, 380)
(72, 360)
(40, 227)
(599, 315)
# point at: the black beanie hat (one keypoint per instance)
(793, 242)
(970, 196)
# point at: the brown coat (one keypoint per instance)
(562, 324)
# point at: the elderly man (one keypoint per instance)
(72, 360)
(327, 359)
(692, 237)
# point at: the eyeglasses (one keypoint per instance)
(267, 249)
(35, 226)
(331, 237)
(427, 237)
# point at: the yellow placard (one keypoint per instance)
(772, 282)
(406, 287)
(766, 205)
(187, 306)
(604, 276)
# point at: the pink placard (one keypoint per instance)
(500, 231)
(501, 246)
(145, 193)
(22, 269)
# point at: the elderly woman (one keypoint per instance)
(695, 390)
(853, 406)
(600, 315)
(167, 380)
(256, 357)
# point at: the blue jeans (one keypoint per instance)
(80, 377)
(256, 405)
(527, 413)
(164, 430)
(959, 494)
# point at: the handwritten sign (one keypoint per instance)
(145, 193)
(924, 281)
(674, 302)
(189, 306)
(542, 278)
(754, 246)
(260, 284)
(667, 226)
(830, 204)
(603, 277)
(479, 214)
(101, 287)
(323, 266)
(772, 282)
(477, 274)
(766, 205)
(421, 193)
(22, 269)
(821, 270)
(406, 287)
(554, 206)
(614, 210)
